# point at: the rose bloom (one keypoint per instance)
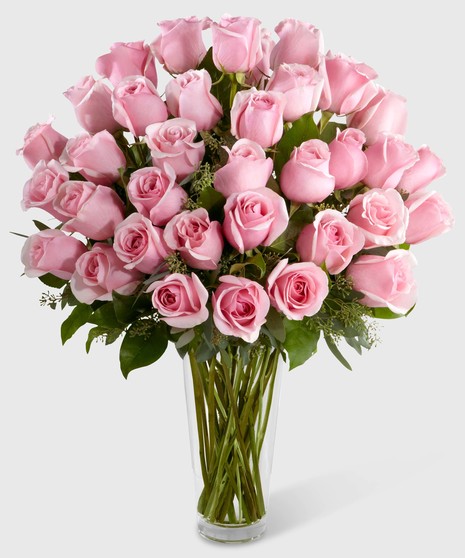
(51, 251)
(86, 208)
(305, 178)
(301, 86)
(388, 158)
(297, 290)
(198, 240)
(258, 116)
(181, 300)
(428, 167)
(263, 67)
(299, 43)
(42, 142)
(139, 244)
(240, 307)
(98, 158)
(173, 142)
(137, 104)
(127, 59)
(385, 281)
(236, 44)
(99, 272)
(92, 105)
(42, 188)
(348, 163)
(331, 240)
(381, 216)
(188, 96)
(155, 194)
(386, 112)
(248, 168)
(348, 86)
(180, 47)
(253, 218)
(430, 216)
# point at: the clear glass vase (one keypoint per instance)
(232, 405)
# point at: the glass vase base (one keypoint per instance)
(227, 533)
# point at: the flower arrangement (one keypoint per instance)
(268, 201)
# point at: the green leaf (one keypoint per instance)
(275, 324)
(185, 338)
(78, 317)
(111, 335)
(19, 234)
(286, 241)
(385, 314)
(40, 225)
(301, 341)
(330, 131)
(138, 351)
(211, 200)
(52, 281)
(336, 352)
(129, 308)
(302, 130)
(105, 316)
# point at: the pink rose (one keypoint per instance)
(386, 112)
(240, 307)
(248, 168)
(297, 290)
(258, 116)
(51, 251)
(137, 104)
(198, 240)
(181, 300)
(188, 96)
(173, 142)
(263, 67)
(98, 158)
(42, 188)
(253, 218)
(91, 210)
(428, 167)
(236, 44)
(430, 216)
(348, 86)
(92, 104)
(299, 43)
(180, 46)
(388, 158)
(348, 163)
(305, 177)
(385, 281)
(155, 194)
(127, 59)
(139, 244)
(301, 85)
(331, 240)
(42, 142)
(381, 216)
(99, 272)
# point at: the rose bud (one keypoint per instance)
(263, 67)
(98, 158)
(385, 281)
(258, 116)
(173, 142)
(198, 240)
(331, 240)
(42, 188)
(430, 216)
(99, 272)
(240, 307)
(429, 167)
(301, 86)
(248, 168)
(181, 300)
(180, 46)
(51, 251)
(92, 104)
(381, 216)
(348, 163)
(188, 96)
(155, 194)
(299, 43)
(127, 59)
(91, 210)
(297, 290)
(42, 142)
(305, 177)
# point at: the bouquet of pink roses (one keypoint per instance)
(268, 201)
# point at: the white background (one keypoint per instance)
(367, 464)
